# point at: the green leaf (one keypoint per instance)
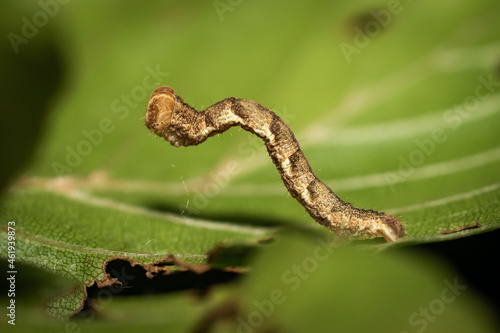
(304, 284)
(406, 123)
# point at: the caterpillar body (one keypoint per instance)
(177, 122)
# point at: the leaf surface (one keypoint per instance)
(402, 119)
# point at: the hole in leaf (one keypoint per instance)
(128, 278)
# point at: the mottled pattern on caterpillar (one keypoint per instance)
(180, 124)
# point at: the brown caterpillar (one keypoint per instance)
(180, 124)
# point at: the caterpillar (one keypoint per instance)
(170, 117)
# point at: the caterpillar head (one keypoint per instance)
(160, 107)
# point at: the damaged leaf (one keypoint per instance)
(395, 125)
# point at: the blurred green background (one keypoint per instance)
(395, 104)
